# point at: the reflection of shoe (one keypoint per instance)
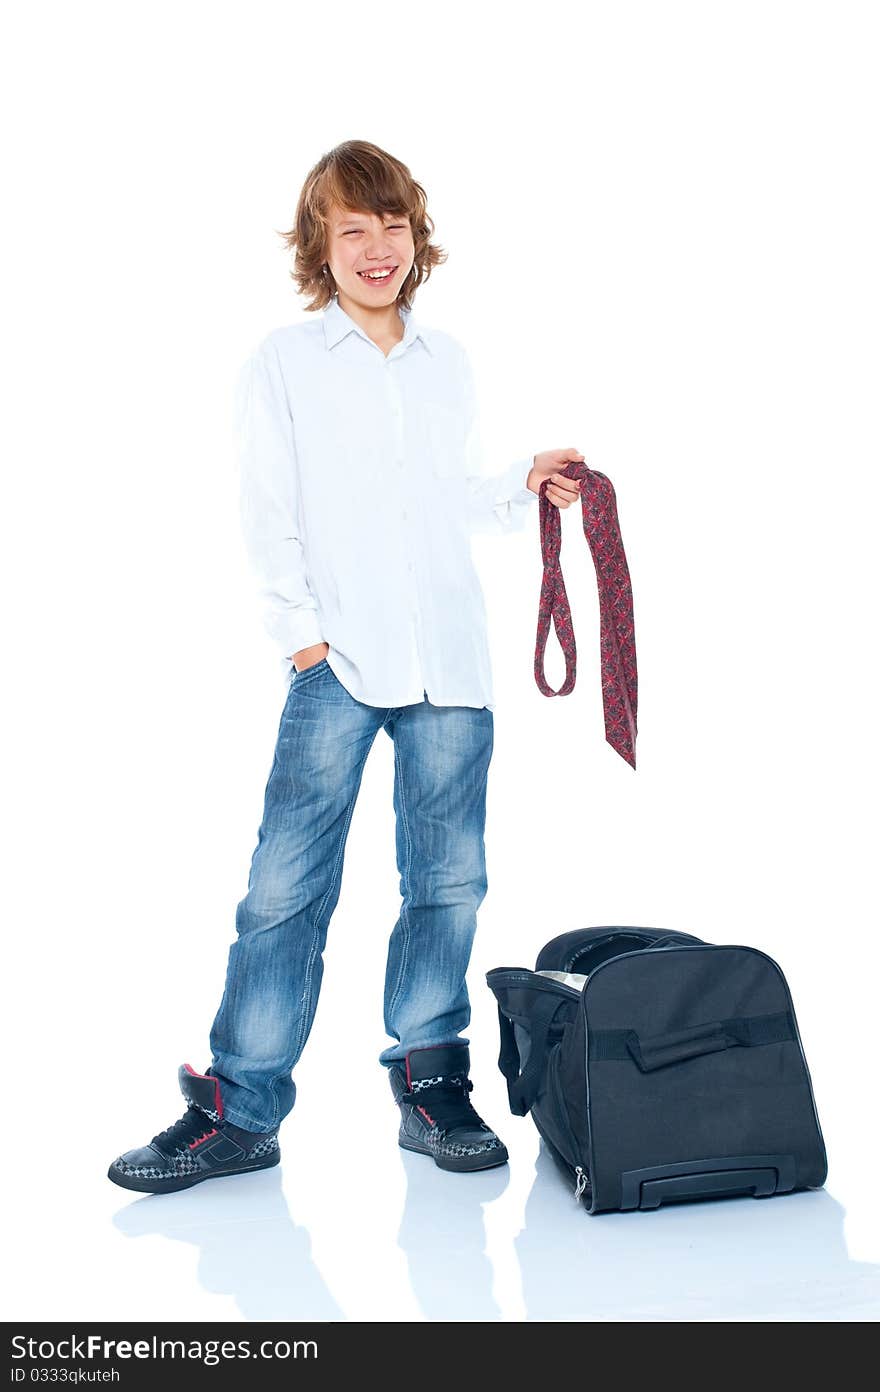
(437, 1118)
(201, 1145)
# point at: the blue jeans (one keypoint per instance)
(441, 762)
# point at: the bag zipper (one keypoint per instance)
(560, 1102)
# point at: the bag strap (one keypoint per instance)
(660, 1050)
(522, 1088)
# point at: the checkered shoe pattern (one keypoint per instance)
(437, 1119)
(181, 1164)
(421, 1083)
(200, 1145)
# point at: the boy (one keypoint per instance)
(360, 487)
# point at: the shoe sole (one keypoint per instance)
(460, 1163)
(171, 1186)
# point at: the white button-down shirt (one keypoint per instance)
(361, 482)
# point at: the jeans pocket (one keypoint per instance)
(299, 677)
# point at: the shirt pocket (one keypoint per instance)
(446, 439)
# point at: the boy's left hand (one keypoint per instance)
(560, 491)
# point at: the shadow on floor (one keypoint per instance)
(443, 1236)
(781, 1258)
(249, 1246)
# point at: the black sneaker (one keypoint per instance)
(201, 1145)
(431, 1089)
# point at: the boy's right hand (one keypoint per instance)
(307, 657)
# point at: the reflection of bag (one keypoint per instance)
(658, 1067)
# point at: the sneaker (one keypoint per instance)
(431, 1089)
(201, 1145)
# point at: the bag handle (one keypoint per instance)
(662, 1049)
(656, 1051)
(522, 1088)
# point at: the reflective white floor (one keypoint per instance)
(323, 1237)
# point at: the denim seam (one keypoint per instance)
(247, 1122)
(273, 1090)
(404, 915)
(313, 950)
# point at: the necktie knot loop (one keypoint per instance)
(617, 627)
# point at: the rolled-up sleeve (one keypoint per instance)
(267, 473)
(497, 503)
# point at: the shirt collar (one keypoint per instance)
(337, 324)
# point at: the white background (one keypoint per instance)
(662, 226)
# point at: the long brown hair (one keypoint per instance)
(357, 177)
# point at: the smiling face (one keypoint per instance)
(370, 256)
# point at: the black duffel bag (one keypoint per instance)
(659, 1068)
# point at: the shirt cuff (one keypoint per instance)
(296, 630)
(513, 480)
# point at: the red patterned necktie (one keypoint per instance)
(617, 642)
